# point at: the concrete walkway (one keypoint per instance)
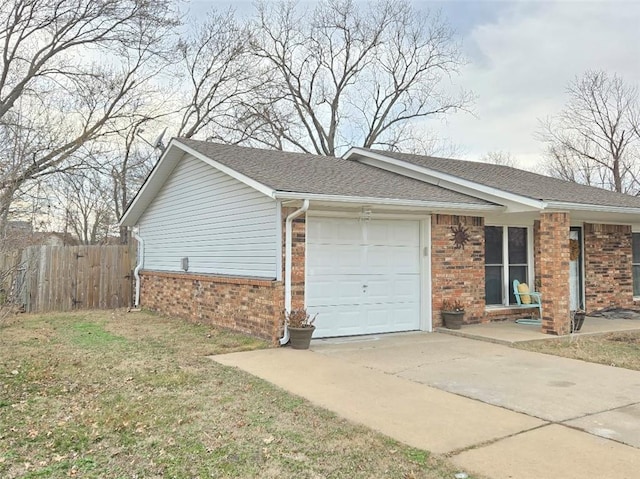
(508, 332)
(494, 410)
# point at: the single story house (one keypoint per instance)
(374, 241)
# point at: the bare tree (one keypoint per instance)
(595, 140)
(220, 72)
(130, 164)
(13, 266)
(70, 73)
(345, 74)
(84, 196)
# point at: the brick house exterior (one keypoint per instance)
(235, 241)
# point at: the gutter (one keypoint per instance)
(596, 208)
(439, 205)
(136, 271)
(287, 264)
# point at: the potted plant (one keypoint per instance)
(300, 325)
(452, 314)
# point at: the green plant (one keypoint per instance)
(452, 305)
(299, 318)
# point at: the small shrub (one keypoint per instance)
(452, 305)
(299, 318)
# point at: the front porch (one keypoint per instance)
(573, 263)
(508, 332)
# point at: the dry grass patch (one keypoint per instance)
(614, 349)
(116, 394)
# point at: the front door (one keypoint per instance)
(575, 269)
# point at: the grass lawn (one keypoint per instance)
(133, 395)
(614, 349)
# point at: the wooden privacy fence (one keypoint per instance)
(63, 278)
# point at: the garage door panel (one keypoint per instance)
(337, 320)
(392, 288)
(393, 233)
(406, 289)
(334, 260)
(403, 316)
(330, 292)
(334, 231)
(405, 233)
(386, 289)
(363, 277)
(377, 318)
(387, 318)
(391, 260)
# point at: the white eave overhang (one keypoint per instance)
(365, 200)
(567, 206)
(512, 202)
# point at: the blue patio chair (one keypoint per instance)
(535, 302)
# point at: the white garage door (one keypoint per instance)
(363, 277)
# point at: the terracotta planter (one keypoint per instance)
(300, 338)
(577, 320)
(452, 319)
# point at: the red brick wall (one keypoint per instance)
(510, 314)
(298, 251)
(458, 273)
(552, 262)
(246, 305)
(608, 272)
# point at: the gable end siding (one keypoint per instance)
(223, 226)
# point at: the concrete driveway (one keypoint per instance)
(539, 385)
(493, 409)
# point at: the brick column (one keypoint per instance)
(553, 262)
(298, 252)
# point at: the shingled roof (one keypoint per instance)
(324, 175)
(516, 181)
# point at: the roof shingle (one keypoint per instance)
(314, 174)
(519, 182)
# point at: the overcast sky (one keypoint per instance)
(522, 54)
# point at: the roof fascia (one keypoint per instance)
(445, 180)
(167, 161)
(286, 195)
(566, 206)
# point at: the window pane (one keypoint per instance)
(519, 273)
(636, 247)
(517, 245)
(493, 284)
(493, 245)
(636, 280)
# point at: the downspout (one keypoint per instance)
(288, 245)
(136, 271)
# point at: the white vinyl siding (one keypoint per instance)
(222, 225)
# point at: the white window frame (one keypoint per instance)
(506, 287)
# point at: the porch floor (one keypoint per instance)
(508, 332)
